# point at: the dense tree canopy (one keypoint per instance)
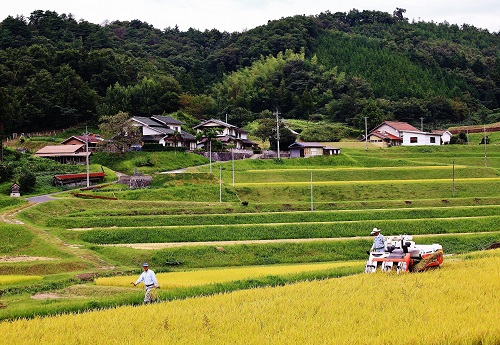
(56, 71)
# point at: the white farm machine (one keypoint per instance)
(403, 255)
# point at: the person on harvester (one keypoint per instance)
(378, 242)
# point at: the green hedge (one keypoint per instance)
(266, 218)
(289, 231)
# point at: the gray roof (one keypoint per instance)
(187, 136)
(305, 144)
(162, 129)
(146, 120)
(166, 120)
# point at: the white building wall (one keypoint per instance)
(388, 129)
(446, 137)
(419, 139)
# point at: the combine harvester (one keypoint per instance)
(403, 255)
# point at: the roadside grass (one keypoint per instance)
(148, 162)
(16, 240)
(7, 203)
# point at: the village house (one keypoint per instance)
(393, 133)
(65, 154)
(163, 130)
(226, 133)
(92, 140)
(310, 149)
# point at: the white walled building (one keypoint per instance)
(393, 133)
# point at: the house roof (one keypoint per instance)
(149, 138)
(184, 136)
(187, 136)
(145, 121)
(385, 135)
(59, 149)
(305, 144)
(440, 131)
(92, 138)
(166, 120)
(400, 126)
(249, 142)
(219, 123)
(162, 129)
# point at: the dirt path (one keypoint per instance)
(222, 243)
(24, 258)
(9, 217)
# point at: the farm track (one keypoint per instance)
(425, 167)
(361, 182)
(156, 246)
(9, 217)
(193, 215)
(262, 224)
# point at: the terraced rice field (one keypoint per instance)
(457, 304)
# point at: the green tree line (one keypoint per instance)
(56, 71)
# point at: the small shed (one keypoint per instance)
(14, 190)
(311, 149)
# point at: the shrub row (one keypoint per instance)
(289, 231)
(276, 217)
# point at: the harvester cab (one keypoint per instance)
(402, 254)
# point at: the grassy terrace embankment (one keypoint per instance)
(401, 190)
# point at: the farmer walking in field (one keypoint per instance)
(150, 282)
(378, 241)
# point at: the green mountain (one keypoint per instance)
(56, 72)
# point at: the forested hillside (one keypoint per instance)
(56, 72)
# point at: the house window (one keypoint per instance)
(413, 140)
(433, 140)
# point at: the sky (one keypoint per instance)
(241, 15)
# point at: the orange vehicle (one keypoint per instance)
(403, 255)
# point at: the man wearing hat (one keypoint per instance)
(378, 241)
(150, 282)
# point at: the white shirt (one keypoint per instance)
(378, 242)
(148, 277)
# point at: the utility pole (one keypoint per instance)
(422, 124)
(453, 178)
(87, 155)
(278, 132)
(366, 133)
(220, 183)
(210, 152)
(232, 161)
(484, 141)
(312, 200)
